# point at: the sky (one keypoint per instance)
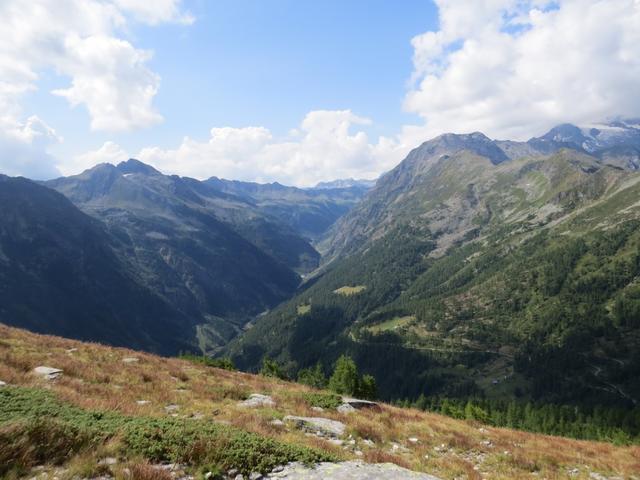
(299, 91)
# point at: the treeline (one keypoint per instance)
(620, 426)
(344, 380)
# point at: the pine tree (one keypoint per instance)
(367, 387)
(345, 376)
(314, 377)
(271, 368)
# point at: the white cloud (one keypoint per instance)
(23, 148)
(111, 79)
(109, 152)
(322, 148)
(156, 11)
(514, 68)
(80, 40)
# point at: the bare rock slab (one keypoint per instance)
(323, 426)
(353, 470)
(48, 373)
(358, 403)
(257, 400)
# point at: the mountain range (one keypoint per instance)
(481, 268)
(476, 267)
(209, 255)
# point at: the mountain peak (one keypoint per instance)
(476, 142)
(136, 166)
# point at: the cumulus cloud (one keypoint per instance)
(109, 152)
(322, 148)
(514, 68)
(23, 149)
(80, 40)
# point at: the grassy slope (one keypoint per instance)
(96, 379)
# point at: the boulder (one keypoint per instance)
(345, 408)
(256, 400)
(318, 425)
(359, 403)
(48, 373)
(3, 384)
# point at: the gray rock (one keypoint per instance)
(345, 408)
(277, 422)
(321, 425)
(131, 360)
(48, 373)
(353, 470)
(359, 403)
(317, 409)
(3, 384)
(256, 400)
(143, 402)
(171, 408)
(108, 461)
(255, 476)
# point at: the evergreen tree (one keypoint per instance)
(314, 377)
(345, 376)
(271, 368)
(367, 387)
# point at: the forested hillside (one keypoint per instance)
(466, 273)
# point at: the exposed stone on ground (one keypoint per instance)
(171, 408)
(257, 400)
(131, 360)
(358, 403)
(48, 373)
(324, 426)
(143, 402)
(345, 408)
(317, 409)
(3, 384)
(277, 422)
(353, 470)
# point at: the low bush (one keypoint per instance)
(323, 400)
(36, 428)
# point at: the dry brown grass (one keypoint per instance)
(96, 378)
(144, 471)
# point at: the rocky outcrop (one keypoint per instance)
(318, 425)
(359, 404)
(256, 400)
(354, 470)
(48, 373)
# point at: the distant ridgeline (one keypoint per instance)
(163, 263)
(482, 269)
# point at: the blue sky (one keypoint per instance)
(299, 91)
(254, 62)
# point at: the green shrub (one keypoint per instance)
(323, 400)
(224, 363)
(37, 428)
